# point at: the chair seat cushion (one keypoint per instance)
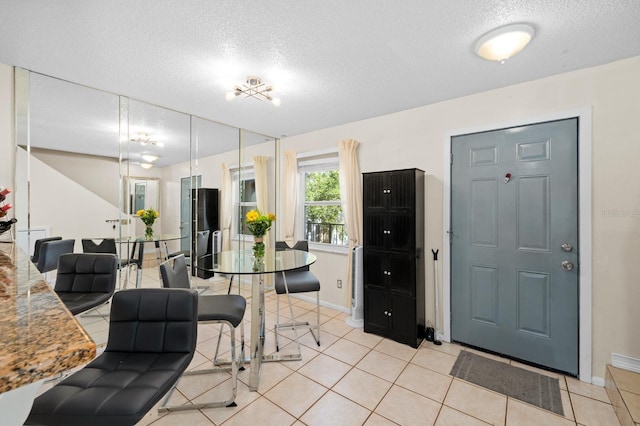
(297, 282)
(78, 302)
(117, 388)
(222, 307)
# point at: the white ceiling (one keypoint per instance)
(331, 61)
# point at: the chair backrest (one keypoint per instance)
(87, 273)
(176, 276)
(202, 243)
(50, 252)
(106, 245)
(38, 244)
(153, 320)
(299, 245)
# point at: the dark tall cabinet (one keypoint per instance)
(394, 257)
(204, 216)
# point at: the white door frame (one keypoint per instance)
(584, 220)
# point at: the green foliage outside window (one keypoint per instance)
(323, 211)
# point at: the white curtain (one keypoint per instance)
(351, 196)
(226, 207)
(262, 192)
(290, 196)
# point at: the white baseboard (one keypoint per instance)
(597, 381)
(323, 303)
(625, 362)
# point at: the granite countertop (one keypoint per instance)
(38, 335)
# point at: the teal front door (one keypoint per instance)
(514, 242)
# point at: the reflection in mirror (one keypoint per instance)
(88, 160)
(68, 162)
(143, 193)
(155, 145)
(256, 180)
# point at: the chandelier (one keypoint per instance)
(254, 87)
(144, 139)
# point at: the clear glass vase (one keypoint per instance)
(148, 232)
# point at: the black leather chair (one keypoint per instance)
(38, 244)
(108, 245)
(50, 252)
(85, 281)
(299, 280)
(152, 339)
(217, 309)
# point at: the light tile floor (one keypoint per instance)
(355, 378)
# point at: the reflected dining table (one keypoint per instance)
(242, 262)
(157, 239)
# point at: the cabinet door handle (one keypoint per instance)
(386, 313)
(389, 314)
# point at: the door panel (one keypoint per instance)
(376, 311)
(375, 269)
(401, 197)
(534, 216)
(533, 302)
(375, 231)
(484, 210)
(402, 274)
(375, 196)
(514, 201)
(403, 322)
(402, 238)
(484, 294)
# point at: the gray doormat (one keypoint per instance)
(533, 388)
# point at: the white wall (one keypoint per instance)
(414, 138)
(69, 209)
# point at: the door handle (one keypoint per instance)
(566, 265)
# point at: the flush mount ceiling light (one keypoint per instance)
(146, 165)
(144, 139)
(504, 42)
(254, 87)
(150, 158)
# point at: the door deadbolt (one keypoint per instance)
(567, 266)
(567, 247)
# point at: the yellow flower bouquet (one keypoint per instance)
(148, 216)
(259, 224)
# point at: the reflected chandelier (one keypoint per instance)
(254, 87)
(144, 139)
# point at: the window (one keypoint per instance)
(246, 200)
(323, 219)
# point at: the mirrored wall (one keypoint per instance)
(88, 160)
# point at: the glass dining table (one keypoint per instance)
(242, 262)
(159, 240)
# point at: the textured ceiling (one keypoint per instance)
(331, 61)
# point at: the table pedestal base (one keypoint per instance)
(256, 352)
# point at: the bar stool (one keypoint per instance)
(108, 245)
(50, 252)
(152, 339)
(212, 309)
(299, 280)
